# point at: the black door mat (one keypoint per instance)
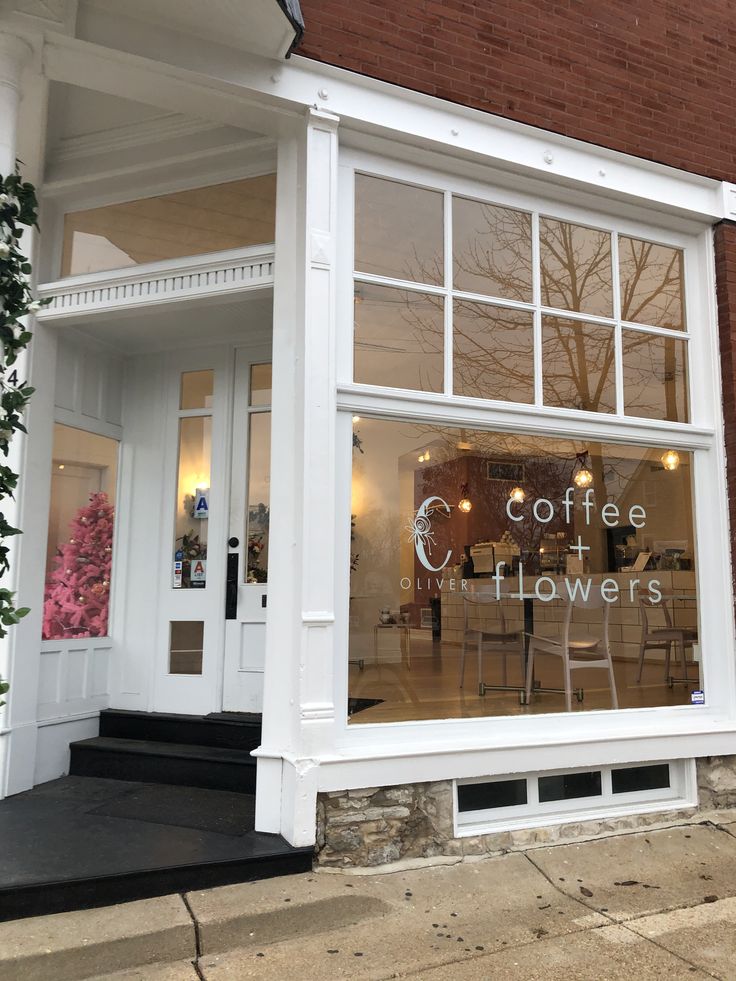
(356, 705)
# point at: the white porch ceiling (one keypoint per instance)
(258, 26)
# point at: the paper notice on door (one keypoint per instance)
(198, 574)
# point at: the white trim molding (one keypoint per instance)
(253, 96)
(729, 201)
(215, 274)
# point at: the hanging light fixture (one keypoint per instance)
(465, 504)
(583, 478)
(670, 460)
(518, 495)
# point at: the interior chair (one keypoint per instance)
(578, 650)
(498, 638)
(662, 637)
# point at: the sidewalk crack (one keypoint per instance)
(197, 938)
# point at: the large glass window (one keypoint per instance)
(462, 297)
(186, 223)
(485, 564)
(80, 539)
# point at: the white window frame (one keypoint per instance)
(506, 740)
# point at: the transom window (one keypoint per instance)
(468, 298)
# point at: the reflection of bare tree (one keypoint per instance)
(493, 344)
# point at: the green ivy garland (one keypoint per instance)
(18, 209)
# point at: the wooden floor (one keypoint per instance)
(429, 688)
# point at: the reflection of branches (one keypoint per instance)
(575, 268)
(651, 284)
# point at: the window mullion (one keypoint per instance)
(618, 340)
(449, 380)
(537, 298)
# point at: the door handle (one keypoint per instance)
(231, 586)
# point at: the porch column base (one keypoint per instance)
(286, 799)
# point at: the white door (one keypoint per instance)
(194, 524)
(247, 559)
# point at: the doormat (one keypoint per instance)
(361, 704)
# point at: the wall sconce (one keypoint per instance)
(517, 495)
(424, 457)
(670, 460)
(583, 478)
(465, 504)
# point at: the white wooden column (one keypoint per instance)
(23, 99)
(298, 709)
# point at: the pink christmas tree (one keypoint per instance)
(77, 599)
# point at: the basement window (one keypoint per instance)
(515, 801)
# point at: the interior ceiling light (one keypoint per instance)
(465, 504)
(583, 478)
(670, 460)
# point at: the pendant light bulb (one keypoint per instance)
(583, 478)
(670, 460)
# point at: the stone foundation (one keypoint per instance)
(385, 825)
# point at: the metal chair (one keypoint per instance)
(663, 637)
(584, 651)
(500, 639)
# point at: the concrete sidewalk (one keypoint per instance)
(660, 903)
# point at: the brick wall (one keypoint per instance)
(654, 79)
(725, 255)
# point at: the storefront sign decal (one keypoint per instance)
(422, 534)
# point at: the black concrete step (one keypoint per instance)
(81, 842)
(226, 730)
(147, 761)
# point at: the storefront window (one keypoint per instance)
(186, 223)
(80, 539)
(530, 308)
(484, 564)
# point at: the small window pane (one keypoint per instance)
(259, 496)
(494, 352)
(399, 338)
(186, 646)
(492, 250)
(576, 268)
(652, 289)
(639, 778)
(192, 503)
(655, 376)
(484, 796)
(398, 230)
(578, 365)
(207, 219)
(80, 539)
(569, 786)
(260, 384)
(196, 390)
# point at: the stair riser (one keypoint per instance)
(183, 730)
(91, 893)
(140, 768)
